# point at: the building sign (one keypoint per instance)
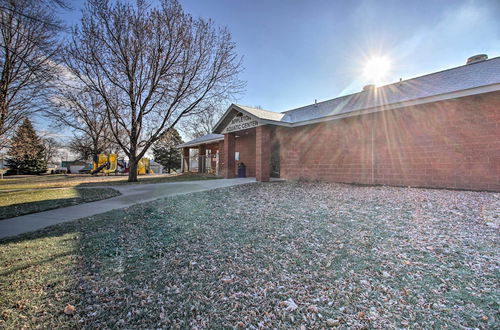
(239, 123)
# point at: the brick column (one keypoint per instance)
(185, 154)
(229, 162)
(201, 159)
(262, 153)
(220, 168)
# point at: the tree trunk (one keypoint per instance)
(95, 150)
(132, 174)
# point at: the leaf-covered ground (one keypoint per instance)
(19, 202)
(277, 255)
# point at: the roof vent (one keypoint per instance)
(369, 87)
(477, 58)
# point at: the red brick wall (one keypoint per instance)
(245, 145)
(448, 144)
(229, 149)
(263, 153)
(221, 157)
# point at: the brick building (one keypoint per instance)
(438, 130)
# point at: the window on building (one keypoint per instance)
(237, 155)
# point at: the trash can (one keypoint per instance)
(242, 170)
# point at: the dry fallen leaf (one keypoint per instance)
(226, 279)
(313, 309)
(69, 309)
(332, 322)
(289, 305)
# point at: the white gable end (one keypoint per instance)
(240, 122)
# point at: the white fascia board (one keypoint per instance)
(184, 145)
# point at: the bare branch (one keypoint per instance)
(28, 56)
(151, 66)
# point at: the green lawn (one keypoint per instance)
(86, 180)
(277, 255)
(19, 202)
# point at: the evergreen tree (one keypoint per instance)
(27, 153)
(165, 150)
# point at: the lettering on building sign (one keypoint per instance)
(239, 123)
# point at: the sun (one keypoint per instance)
(376, 69)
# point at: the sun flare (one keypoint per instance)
(376, 69)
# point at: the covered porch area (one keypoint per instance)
(250, 148)
(249, 139)
(224, 154)
(243, 137)
(202, 155)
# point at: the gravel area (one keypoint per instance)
(283, 255)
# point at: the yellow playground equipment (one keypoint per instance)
(143, 166)
(108, 164)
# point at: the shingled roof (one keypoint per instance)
(469, 79)
(462, 78)
(205, 139)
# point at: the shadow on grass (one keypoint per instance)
(43, 271)
(213, 259)
(153, 180)
(86, 180)
(42, 201)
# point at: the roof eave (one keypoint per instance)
(187, 144)
(217, 129)
(429, 99)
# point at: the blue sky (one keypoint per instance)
(298, 51)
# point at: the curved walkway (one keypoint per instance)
(130, 195)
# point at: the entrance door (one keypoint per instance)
(275, 159)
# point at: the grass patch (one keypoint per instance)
(85, 180)
(16, 203)
(357, 257)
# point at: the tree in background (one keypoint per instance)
(86, 150)
(82, 110)
(29, 45)
(202, 122)
(26, 154)
(51, 149)
(151, 66)
(165, 151)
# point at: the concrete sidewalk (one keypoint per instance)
(131, 194)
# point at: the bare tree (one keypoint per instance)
(28, 48)
(84, 149)
(201, 123)
(82, 110)
(51, 149)
(151, 65)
